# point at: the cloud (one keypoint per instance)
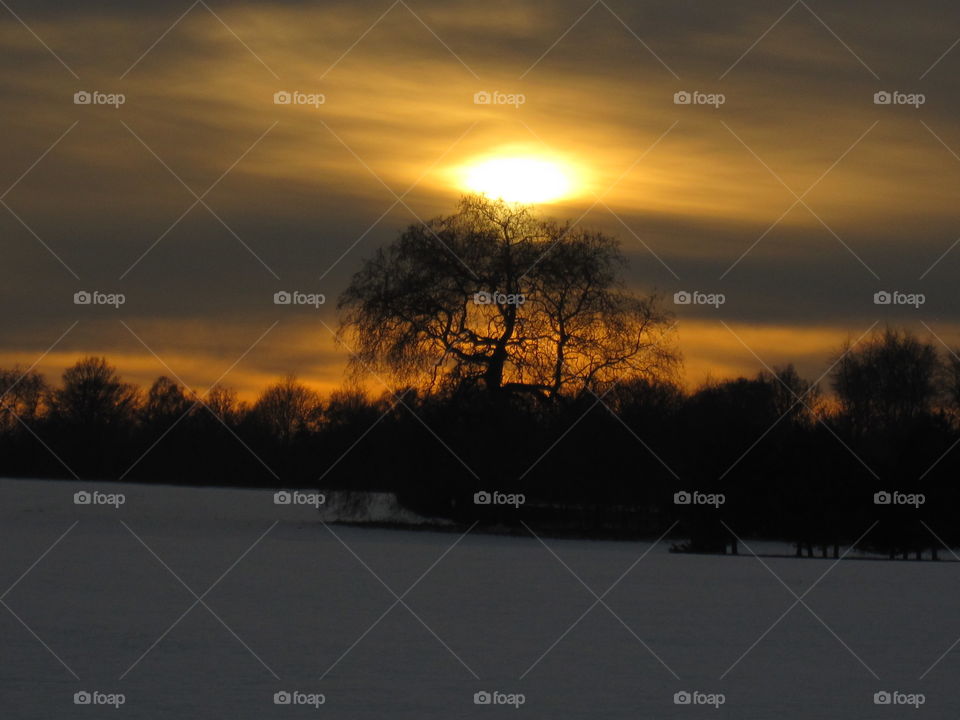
(303, 192)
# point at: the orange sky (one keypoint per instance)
(702, 198)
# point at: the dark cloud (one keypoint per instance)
(306, 186)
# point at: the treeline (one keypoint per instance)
(791, 461)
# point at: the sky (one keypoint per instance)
(798, 198)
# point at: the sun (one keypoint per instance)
(522, 179)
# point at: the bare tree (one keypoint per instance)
(890, 379)
(287, 409)
(222, 402)
(93, 394)
(497, 297)
(21, 397)
(793, 396)
(166, 402)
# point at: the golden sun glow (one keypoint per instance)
(522, 179)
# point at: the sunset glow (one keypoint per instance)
(519, 179)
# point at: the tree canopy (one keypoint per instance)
(495, 296)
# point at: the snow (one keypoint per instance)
(371, 508)
(307, 593)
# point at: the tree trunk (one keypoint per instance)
(493, 377)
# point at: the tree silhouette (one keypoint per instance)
(287, 409)
(93, 394)
(496, 297)
(890, 380)
(166, 402)
(22, 397)
(94, 413)
(893, 389)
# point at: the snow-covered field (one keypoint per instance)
(289, 604)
